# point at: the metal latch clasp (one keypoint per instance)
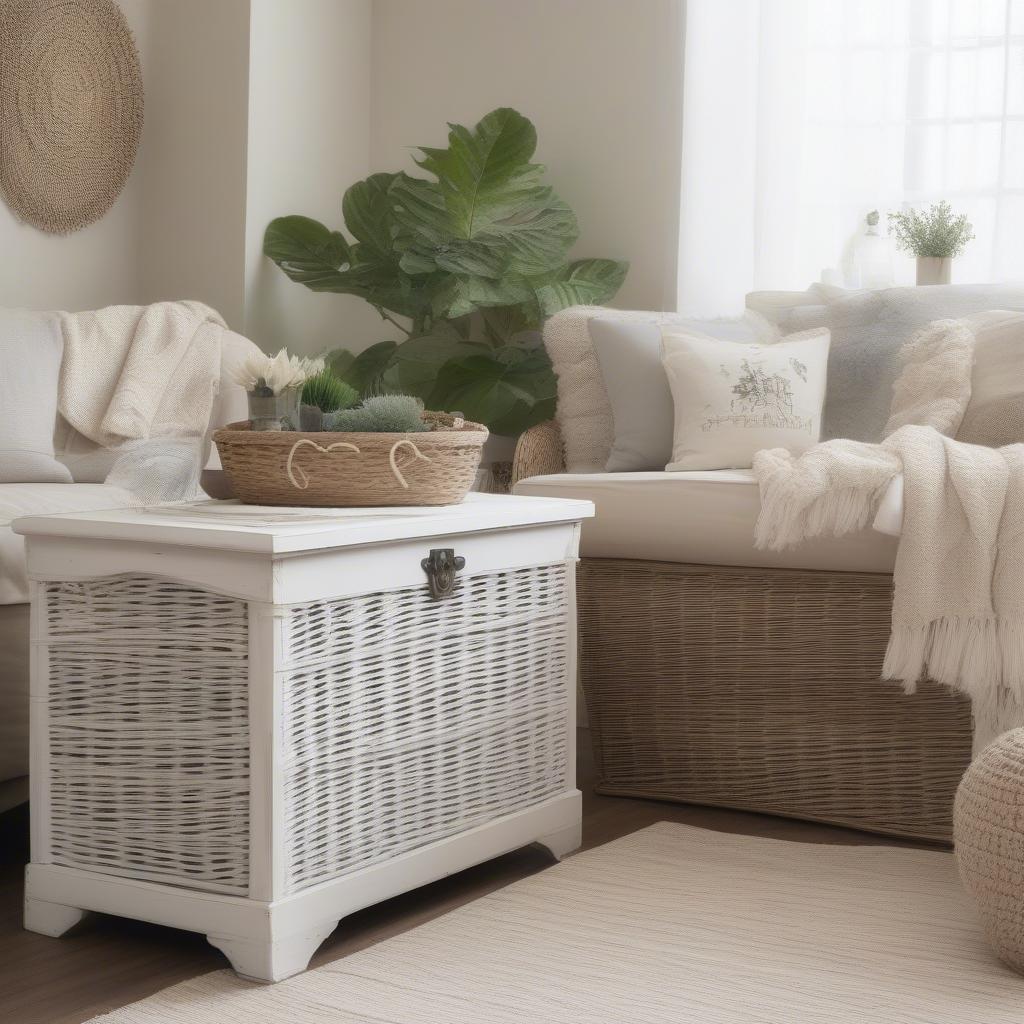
(441, 566)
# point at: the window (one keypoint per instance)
(840, 108)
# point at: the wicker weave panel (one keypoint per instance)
(409, 719)
(759, 689)
(148, 731)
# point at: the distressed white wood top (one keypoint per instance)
(230, 526)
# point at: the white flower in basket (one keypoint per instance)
(276, 373)
(274, 384)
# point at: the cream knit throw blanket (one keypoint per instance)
(141, 381)
(958, 610)
(131, 373)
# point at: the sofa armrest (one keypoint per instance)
(539, 452)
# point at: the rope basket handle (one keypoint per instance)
(396, 468)
(304, 476)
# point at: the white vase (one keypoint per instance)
(268, 411)
(872, 257)
(934, 269)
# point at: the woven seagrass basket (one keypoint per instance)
(287, 467)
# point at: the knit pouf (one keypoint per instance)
(988, 830)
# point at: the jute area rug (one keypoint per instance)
(671, 925)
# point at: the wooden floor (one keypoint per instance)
(109, 962)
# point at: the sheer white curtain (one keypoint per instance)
(801, 116)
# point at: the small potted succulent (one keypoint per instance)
(936, 237)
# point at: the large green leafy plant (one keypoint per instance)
(466, 264)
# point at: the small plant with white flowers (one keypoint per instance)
(270, 375)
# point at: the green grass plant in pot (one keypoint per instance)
(935, 236)
(467, 264)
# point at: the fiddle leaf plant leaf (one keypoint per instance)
(338, 362)
(485, 175)
(582, 283)
(322, 260)
(364, 371)
(507, 389)
(488, 213)
(376, 257)
(463, 295)
(418, 361)
(506, 325)
(369, 217)
(309, 253)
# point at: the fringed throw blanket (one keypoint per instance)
(958, 610)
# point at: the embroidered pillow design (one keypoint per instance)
(732, 400)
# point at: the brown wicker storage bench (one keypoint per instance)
(758, 689)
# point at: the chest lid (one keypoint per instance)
(231, 526)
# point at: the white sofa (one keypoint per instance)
(89, 465)
(708, 517)
(720, 674)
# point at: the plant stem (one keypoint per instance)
(391, 320)
(421, 325)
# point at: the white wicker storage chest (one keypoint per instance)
(250, 722)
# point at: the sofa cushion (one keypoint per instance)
(702, 517)
(38, 500)
(629, 357)
(30, 355)
(584, 413)
(995, 413)
(869, 328)
(732, 401)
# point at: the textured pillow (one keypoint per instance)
(629, 356)
(995, 412)
(584, 414)
(31, 346)
(732, 401)
(869, 328)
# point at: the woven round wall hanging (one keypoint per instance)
(70, 109)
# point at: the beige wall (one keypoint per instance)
(309, 134)
(258, 108)
(600, 80)
(176, 229)
(193, 167)
(91, 267)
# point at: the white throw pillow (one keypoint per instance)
(584, 414)
(629, 355)
(733, 400)
(31, 346)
